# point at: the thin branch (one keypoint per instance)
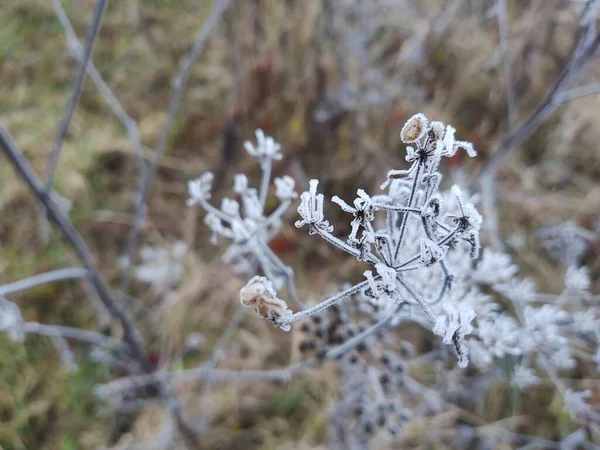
(76, 89)
(78, 53)
(551, 102)
(575, 93)
(26, 172)
(77, 334)
(43, 278)
(327, 303)
(265, 180)
(405, 215)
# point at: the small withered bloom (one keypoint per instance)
(266, 146)
(260, 294)
(414, 128)
(284, 188)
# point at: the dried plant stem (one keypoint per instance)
(327, 303)
(77, 334)
(554, 98)
(48, 277)
(76, 89)
(111, 100)
(405, 215)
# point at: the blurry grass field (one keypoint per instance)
(281, 66)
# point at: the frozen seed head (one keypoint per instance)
(260, 294)
(414, 128)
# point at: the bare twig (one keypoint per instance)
(71, 105)
(76, 334)
(24, 169)
(515, 137)
(78, 53)
(48, 277)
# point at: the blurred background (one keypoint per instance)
(333, 82)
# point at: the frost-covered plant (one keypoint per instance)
(421, 243)
(412, 210)
(245, 222)
(160, 267)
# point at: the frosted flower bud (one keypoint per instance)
(411, 154)
(414, 128)
(11, 320)
(388, 276)
(260, 294)
(284, 188)
(230, 207)
(577, 279)
(266, 146)
(199, 189)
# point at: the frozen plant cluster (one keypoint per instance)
(423, 246)
(411, 202)
(245, 223)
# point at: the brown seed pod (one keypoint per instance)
(414, 128)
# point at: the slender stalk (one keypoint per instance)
(26, 172)
(77, 334)
(265, 180)
(111, 100)
(327, 303)
(43, 278)
(69, 110)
